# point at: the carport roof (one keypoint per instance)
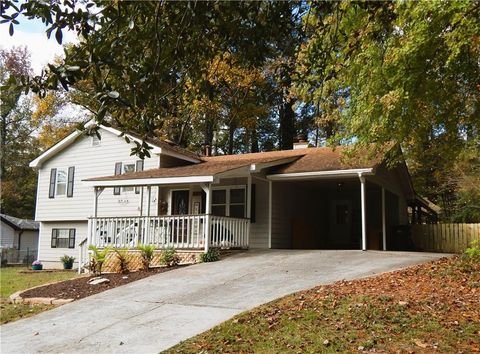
(280, 162)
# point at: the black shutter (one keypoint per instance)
(53, 180)
(71, 238)
(71, 176)
(253, 204)
(138, 167)
(118, 171)
(53, 243)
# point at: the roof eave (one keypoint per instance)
(320, 174)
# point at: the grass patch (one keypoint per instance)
(425, 308)
(12, 280)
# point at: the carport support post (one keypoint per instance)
(384, 222)
(249, 207)
(208, 210)
(364, 214)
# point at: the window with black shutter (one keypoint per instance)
(54, 238)
(71, 177)
(118, 171)
(53, 179)
(138, 167)
(63, 238)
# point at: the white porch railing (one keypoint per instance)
(83, 258)
(177, 231)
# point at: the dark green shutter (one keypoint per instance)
(71, 177)
(53, 243)
(118, 171)
(53, 180)
(138, 167)
(71, 238)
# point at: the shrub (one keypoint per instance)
(98, 258)
(147, 255)
(212, 255)
(474, 250)
(169, 257)
(122, 257)
(67, 260)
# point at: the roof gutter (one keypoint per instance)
(149, 181)
(320, 174)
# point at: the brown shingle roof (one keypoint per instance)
(305, 160)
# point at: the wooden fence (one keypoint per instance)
(450, 238)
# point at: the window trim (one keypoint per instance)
(227, 198)
(60, 169)
(70, 239)
(124, 164)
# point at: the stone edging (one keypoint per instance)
(16, 298)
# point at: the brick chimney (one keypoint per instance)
(301, 142)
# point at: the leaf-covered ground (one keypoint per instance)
(421, 309)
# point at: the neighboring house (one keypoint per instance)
(92, 191)
(18, 239)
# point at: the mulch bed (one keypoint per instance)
(79, 288)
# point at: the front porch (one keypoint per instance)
(177, 231)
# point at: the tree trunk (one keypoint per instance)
(287, 125)
(231, 136)
(254, 140)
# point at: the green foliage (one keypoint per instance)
(122, 257)
(169, 257)
(147, 252)
(212, 255)
(474, 250)
(98, 258)
(67, 260)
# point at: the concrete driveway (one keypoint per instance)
(155, 313)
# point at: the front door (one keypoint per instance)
(340, 223)
(180, 200)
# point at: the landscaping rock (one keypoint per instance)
(95, 281)
(61, 301)
(38, 300)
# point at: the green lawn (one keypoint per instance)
(427, 308)
(12, 280)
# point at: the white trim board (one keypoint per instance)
(321, 174)
(150, 181)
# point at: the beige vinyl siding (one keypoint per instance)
(89, 161)
(29, 239)
(7, 236)
(281, 215)
(259, 229)
(50, 257)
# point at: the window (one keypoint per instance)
(61, 182)
(128, 168)
(96, 141)
(61, 187)
(63, 238)
(122, 168)
(229, 202)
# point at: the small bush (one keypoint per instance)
(169, 257)
(474, 250)
(212, 255)
(98, 258)
(470, 259)
(65, 259)
(147, 252)
(122, 257)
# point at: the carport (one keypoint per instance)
(355, 211)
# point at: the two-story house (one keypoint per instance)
(65, 201)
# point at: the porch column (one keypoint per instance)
(149, 199)
(208, 211)
(270, 214)
(384, 221)
(364, 214)
(249, 207)
(141, 201)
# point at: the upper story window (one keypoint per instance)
(95, 140)
(127, 167)
(61, 187)
(61, 182)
